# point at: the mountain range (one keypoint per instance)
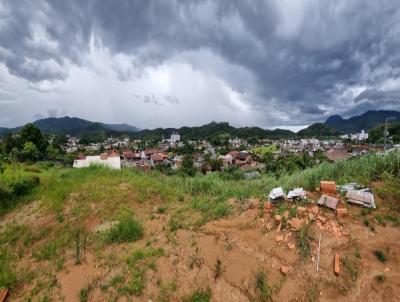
(366, 121)
(333, 126)
(73, 126)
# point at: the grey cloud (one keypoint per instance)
(379, 96)
(303, 67)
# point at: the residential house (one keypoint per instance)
(243, 158)
(112, 162)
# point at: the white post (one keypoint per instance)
(319, 249)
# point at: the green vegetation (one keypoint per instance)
(262, 287)
(8, 276)
(127, 229)
(380, 255)
(380, 278)
(84, 294)
(262, 150)
(218, 269)
(376, 135)
(351, 265)
(199, 295)
(304, 238)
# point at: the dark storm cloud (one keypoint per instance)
(378, 96)
(305, 58)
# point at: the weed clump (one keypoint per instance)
(199, 295)
(380, 255)
(8, 277)
(127, 229)
(304, 241)
(218, 269)
(351, 266)
(262, 287)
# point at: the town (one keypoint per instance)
(167, 153)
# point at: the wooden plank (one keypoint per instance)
(3, 294)
(337, 264)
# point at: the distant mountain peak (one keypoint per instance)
(334, 120)
(366, 121)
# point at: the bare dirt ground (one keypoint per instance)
(244, 243)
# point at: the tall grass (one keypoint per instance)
(208, 193)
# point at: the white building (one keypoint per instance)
(362, 136)
(175, 137)
(112, 162)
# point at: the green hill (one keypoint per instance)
(366, 121)
(318, 130)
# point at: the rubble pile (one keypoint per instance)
(276, 194)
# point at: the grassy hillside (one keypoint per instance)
(128, 222)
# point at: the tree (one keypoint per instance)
(187, 165)
(31, 133)
(215, 164)
(60, 140)
(52, 152)
(30, 152)
(9, 143)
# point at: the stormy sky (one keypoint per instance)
(180, 62)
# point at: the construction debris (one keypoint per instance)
(319, 251)
(330, 226)
(296, 223)
(285, 269)
(328, 187)
(337, 264)
(267, 206)
(328, 201)
(276, 194)
(347, 187)
(301, 211)
(297, 193)
(363, 197)
(315, 210)
(3, 294)
(286, 214)
(341, 212)
(278, 219)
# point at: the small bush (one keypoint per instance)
(137, 282)
(48, 251)
(380, 255)
(84, 294)
(380, 278)
(351, 266)
(24, 185)
(5, 195)
(218, 269)
(8, 277)
(304, 237)
(262, 287)
(199, 295)
(127, 229)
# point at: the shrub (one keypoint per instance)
(380, 255)
(128, 229)
(8, 277)
(84, 294)
(380, 278)
(304, 241)
(262, 287)
(199, 295)
(24, 185)
(48, 251)
(5, 195)
(351, 265)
